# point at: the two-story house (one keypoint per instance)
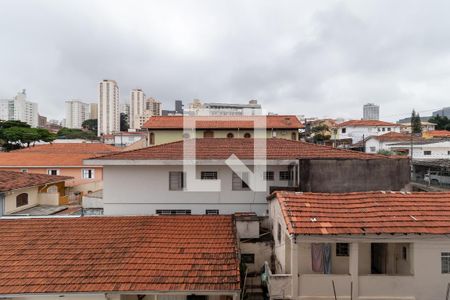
(166, 129)
(154, 180)
(357, 130)
(370, 245)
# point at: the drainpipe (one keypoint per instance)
(354, 269)
(294, 268)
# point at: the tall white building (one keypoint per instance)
(20, 109)
(125, 109)
(76, 113)
(136, 107)
(371, 112)
(197, 108)
(108, 108)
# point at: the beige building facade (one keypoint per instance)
(108, 110)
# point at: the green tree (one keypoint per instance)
(442, 123)
(416, 123)
(321, 133)
(124, 122)
(68, 133)
(91, 125)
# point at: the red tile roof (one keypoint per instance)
(118, 254)
(229, 122)
(365, 123)
(17, 180)
(65, 148)
(365, 213)
(58, 155)
(222, 148)
(438, 133)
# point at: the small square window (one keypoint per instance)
(269, 175)
(53, 172)
(372, 149)
(248, 258)
(341, 249)
(344, 130)
(389, 129)
(285, 175)
(208, 175)
(445, 262)
(176, 181)
(427, 152)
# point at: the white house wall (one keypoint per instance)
(148, 190)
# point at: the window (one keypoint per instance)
(341, 249)
(230, 135)
(285, 175)
(427, 152)
(152, 138)
(196, 297)
(88, 173)
(274, 134)
(247, 135)
(173, 211)
(445, 262)
(248, 258)
(176, 181)
(53, 172)
(343, 130)
(208, 134)
(26, 170)
(269, 175)
(22, 199)
(383, 129)
(404, 253)
(238, 184)
(294, 136)
(372, 149)
(212, 211)
(208, 175)
(279, 233)
(389, 129)
(448, 152)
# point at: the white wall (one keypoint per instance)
(356, 133)
(140, 190)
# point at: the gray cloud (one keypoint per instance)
(321, 58)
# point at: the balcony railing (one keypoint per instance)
(279, 285)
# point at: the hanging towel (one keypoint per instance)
(327, 258)
(317, 257)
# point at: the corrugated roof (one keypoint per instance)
(365, 213)
(228, 122)
(10, 180)
(118, 254)
(222, 148)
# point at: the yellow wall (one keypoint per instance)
(10, 199)
(167, 136)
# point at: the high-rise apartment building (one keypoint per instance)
(371, 111)
(108, 110)
(76, 113)
(20, 109)
(125, 109)
(94, 111)
(154, 106)
(136, 107)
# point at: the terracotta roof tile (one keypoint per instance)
(176, 122)
(364, 123)
(438, 133)
(222, 148)
(122, 254)
(61, 154)
(64, 148)
(365, 212)
(16, 180)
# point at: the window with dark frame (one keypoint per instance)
(248, 258)
(342, 249)
(208, 175)
(445, 262)
(237, 183)
(427, 152)
(173, 211)
(269, 175)
(176, 181)
(285, 175)
(53, 172)
(212, 211)
(344, 130)
(21, 199)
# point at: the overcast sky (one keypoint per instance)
(317, 58)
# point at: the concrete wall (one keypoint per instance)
(261, 250)
(10, 199)
(140, 190)
(75, 172)
(352, 175)
(356, 133)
